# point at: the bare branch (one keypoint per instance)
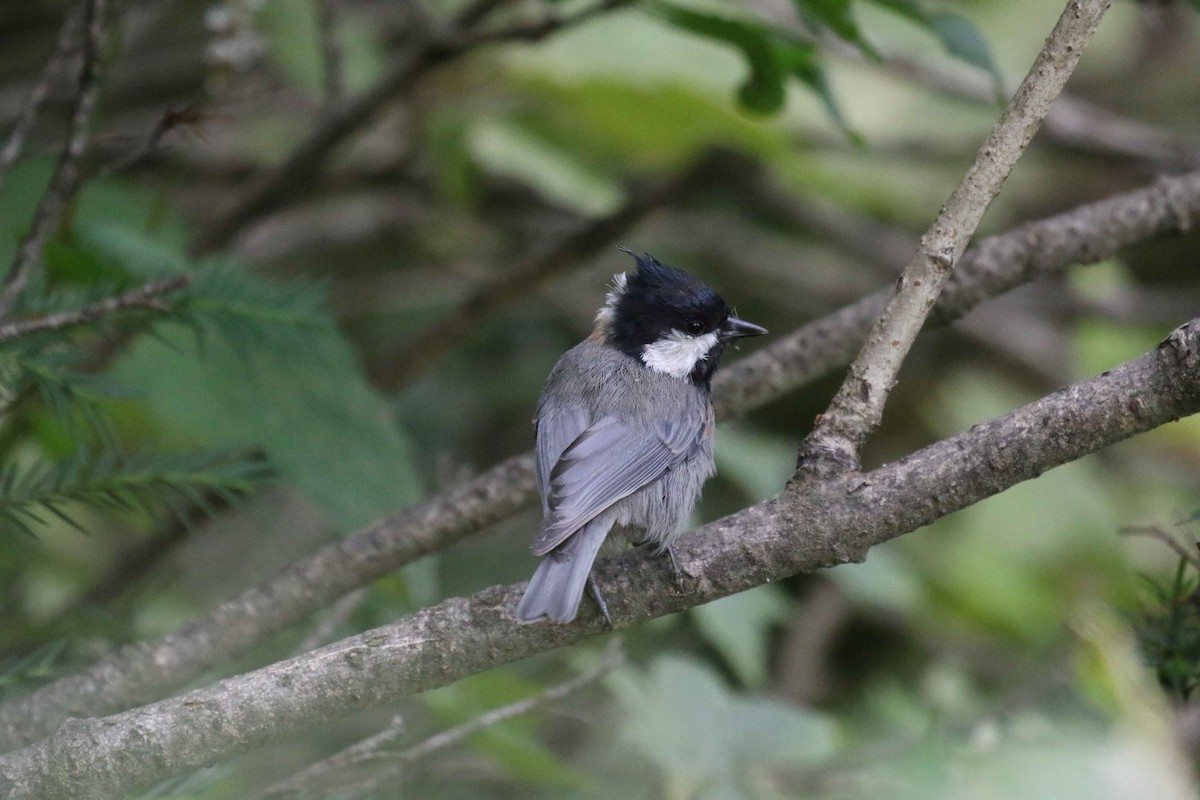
(141, 672)
(538, 268)
(65, 181)
(1084, 235)
(813, 525)
(314, 781)
(310, 157)
(144, 296)
(857, 409)
(172, 118)
(37, 97)
(1073, 121)
(1188, 554)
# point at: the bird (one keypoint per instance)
(624, 429)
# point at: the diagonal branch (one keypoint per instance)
(857, 409)
(307, 782)
(815, 525)
(538, 268)
(37, 97)
(144, 296)
(142, 672)
(65, 181)
(309, 158)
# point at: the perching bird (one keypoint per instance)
(625, 427)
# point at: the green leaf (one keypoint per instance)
(763, 90)
(837, 16)
(709, 742)
(507, 149)
(740, 627)
(803, 62)
(964, 41)
(909, 9)
(957, 34)
(263, 365)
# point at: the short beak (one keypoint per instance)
(735, 327)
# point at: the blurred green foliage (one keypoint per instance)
(979, 658)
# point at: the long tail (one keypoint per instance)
(557, 587)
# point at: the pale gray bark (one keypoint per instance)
(811, 525)
(142, 672)
(857, 408)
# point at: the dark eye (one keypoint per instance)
(695, 326)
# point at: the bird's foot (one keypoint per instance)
(599, 598)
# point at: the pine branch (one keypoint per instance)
(142, 672)
(145, 297)
(33, 496)
(812, 525)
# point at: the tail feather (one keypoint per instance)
(556, 588)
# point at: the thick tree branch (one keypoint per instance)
(812, 525)
(1084, 235)
(310, 157)
(64, 183)
(857, 408)
(144, 296)
(142, 672)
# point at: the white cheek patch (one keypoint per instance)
(677, 354)
(604, 317)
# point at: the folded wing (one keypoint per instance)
(604, 461)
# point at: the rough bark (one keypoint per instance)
(142, 672)
(812, 525)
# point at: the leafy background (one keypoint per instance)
(995, 654)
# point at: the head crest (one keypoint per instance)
(666, 285)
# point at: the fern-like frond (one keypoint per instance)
(242, 308)
(33, 496)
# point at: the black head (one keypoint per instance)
(670, 320)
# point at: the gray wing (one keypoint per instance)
(557, 427)
(609, 460)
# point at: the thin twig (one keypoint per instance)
(1073, 121)
(311, 155)
(37, 97)
(144, 296)
(538, 268)
(857, 408)
(172, 118)
(826, 523)
(66, 178)
(146, 670)
(1188, 554)
(314, 781)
